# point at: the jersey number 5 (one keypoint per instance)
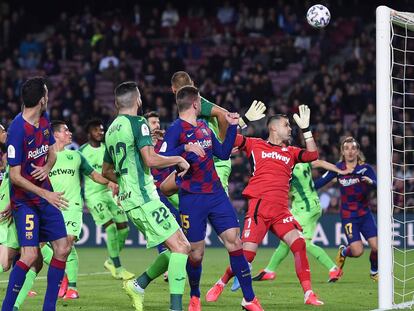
(119, 148)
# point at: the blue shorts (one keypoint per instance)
(364, 225)
(38, 224)
(196, 208)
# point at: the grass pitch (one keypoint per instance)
(98, 291)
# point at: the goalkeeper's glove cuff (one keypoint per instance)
(243, 122)
(307, 134)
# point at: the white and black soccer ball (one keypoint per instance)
(318, 16)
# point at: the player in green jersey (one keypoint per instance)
(215, 117)
(307, 210)
(129, 155)
(102, 205)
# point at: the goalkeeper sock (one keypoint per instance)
(112, 244)
(47, 253)
(194, 275)
(176, 279)
(122, 236)
(158, 267)
(298, 249)
(278, 256)
(320, 255)
(373, 258)
(241, 269)
(72, 268)
(28, 284)
(1, 269)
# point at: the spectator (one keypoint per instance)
(169, 17)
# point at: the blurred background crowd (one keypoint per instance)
(235, 51)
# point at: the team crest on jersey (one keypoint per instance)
(246, 233)
(46, 133)
(166, 226)
(29, 235)
(145, 130)
(284, 149)
(69, 156)
(204, 131)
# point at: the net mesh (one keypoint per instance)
(402, 102)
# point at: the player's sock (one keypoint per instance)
(158, 267)
(241, 269)
(112, 244)
(298, 249)
(72, 268)
(1, 269)
(27, 286)
(278, 256)
(320, 255)
(47, 253)
(346, 252)
(228, 274)
(194, 275)
(16, 280)
(176, 279)
(122, 236)
(373, 258)
(54, 277)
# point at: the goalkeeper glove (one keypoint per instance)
(302, 120)
(255, 112)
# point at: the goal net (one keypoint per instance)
(395, 157)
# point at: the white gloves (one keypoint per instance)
(302, 120)
(255, 112)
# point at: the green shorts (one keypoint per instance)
(103, 208)
(155, 221)
(73, 221)
(174, 200)
(307, 217)
(8, 235)
(223, 173)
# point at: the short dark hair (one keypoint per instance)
(185, 97)
(151, 114)
(276, 117)
(56, 125)
(32, 91)
(92, 124)
(180, 79)
(125, 88)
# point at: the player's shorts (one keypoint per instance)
(223, 173)
(307, 217)
(364, 225)
(103, 208)
(155, 221)
(174, 211)
(73, 221)
(196, 208)
(258, 221)
(8, 235)
(38, 224)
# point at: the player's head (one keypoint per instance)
(279, 126)
(188, 98)
(179, 80)
(153, 119)
(34, 92)
(351, 151)
(127, 96)
(3, 135)
(61, 132)
(95, 130)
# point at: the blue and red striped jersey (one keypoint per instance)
(160, 174)
(354, 191)
(27, 145)
(202, 176)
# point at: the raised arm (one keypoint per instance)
(326, 178)
(330, 167)
(223, 151)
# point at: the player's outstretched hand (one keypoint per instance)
(40, 172)
(302, 120)
(158, 134)
(114, 188)
(367, 180)
(196, 148)
(183, 167)
(57, 199)
(256, 112)
(232, 118)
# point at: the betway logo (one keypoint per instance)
(62, 171)
(206, 143)
(348, 182)
(38, 152)
(275, 155)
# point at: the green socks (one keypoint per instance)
(1, 269)
(158, 267)
(72, 268)
(278, 256)
(177, 275)
(112, 244)
(122, 236)
(47, 253)
(320, 255)
(27, 286)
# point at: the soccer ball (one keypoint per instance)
(318, 16)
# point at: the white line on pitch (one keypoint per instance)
(81, 274)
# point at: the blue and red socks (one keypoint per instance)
(194, 275)
(16, 281)
(54, 278)
(373, 258)
(240, 268)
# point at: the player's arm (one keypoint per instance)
(369, 176)
(154, 160)
(254, 113)
(41, 172)
(330, 167)
(169, 187)
(209, 109)
(223, 151)
(302, 120)
(326, 178)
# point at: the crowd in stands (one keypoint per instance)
(235, 52)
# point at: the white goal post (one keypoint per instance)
(395, 164)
